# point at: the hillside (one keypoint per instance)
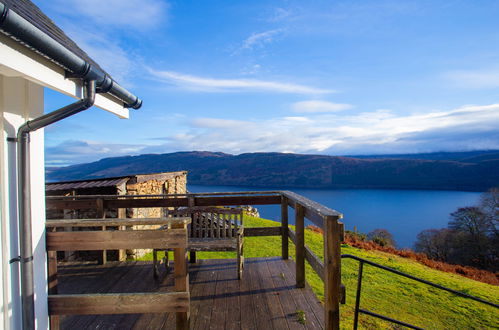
(384, 292)
(468, 171)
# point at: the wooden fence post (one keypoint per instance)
(332, 271)
(300, 245)
(191, 202)
(122, 252)
(101, 213)
(181, 276)
(284, 227)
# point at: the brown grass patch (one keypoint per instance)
(466, 271)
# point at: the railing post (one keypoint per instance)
(122, 252)
(300, 245)
(332, 271)
(191, 202)
(52, 283)
(181, 276)
(357, 296)
(101, 213)
(284, 227)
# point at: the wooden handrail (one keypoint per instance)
(112, 222)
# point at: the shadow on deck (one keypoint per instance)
(266, 297)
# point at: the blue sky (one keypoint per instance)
(322, 77)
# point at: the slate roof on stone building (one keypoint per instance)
(85, 184)
(30, 12)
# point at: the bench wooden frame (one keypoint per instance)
(119, 303)
(212, 229)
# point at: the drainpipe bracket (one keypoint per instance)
(16, 259)
(12, 139)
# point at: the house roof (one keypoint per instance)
(85, 184)
(30, 12)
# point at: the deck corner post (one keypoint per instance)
(284, 228)
(300, 245)
(332, 271)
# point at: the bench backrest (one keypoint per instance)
(212, 222)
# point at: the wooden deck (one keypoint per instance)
(266, 297)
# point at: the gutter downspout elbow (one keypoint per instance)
(24, 196)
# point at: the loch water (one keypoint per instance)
(404, 213)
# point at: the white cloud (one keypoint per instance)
(260, 39)
(217, 123)
(197, 83)
(139, 15)
(279, 14)
(474, 79)
(315, 106)
(465, 128)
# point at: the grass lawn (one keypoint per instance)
(386, 293)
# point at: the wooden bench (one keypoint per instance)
(212, 229)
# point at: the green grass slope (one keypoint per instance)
(384, 292)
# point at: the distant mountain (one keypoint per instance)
(476, 171)
(457, 156)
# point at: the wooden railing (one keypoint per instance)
(118, 303)
(327, 219)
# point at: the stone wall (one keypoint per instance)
(154, 184)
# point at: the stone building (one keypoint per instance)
(139, 184)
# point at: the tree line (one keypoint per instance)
(471, 237)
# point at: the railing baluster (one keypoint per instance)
(284, 226)
(357, 296)
(300, 245)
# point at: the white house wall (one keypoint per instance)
(21, 99)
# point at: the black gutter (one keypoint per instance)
(26, 33)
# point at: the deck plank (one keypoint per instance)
(265, 298)
(203, 316)
(249, 317)
(311, 306)
(264, 318)
(281, 280)
(233, 319)
(219, 310)
(272, 296)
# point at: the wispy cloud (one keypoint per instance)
(474, 79)
(279, 14)
(316, 106)
(260, 39)
(107, 52)
(77, 151)
(197, 83)
(107, 26)
(138, 15)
